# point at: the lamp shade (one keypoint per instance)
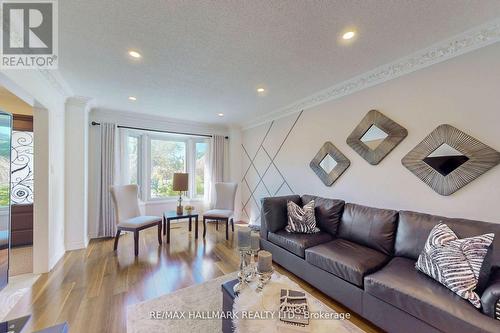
(180, 182)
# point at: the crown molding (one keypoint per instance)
(473, 39)
(56, 81)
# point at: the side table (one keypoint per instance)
(172, 215)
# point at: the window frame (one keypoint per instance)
(193, 194)
(125, 158)
(144, 164)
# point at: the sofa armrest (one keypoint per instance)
(274, 214)
(490, 299)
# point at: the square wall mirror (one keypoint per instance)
(376, 136)
(329, 163)
(449, 159)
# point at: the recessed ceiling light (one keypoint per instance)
(261, 90)
(348, 35)
(132, 98)
(220, 114)
(134, 54)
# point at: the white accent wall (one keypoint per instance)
(462, 92)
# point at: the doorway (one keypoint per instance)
(21, 189)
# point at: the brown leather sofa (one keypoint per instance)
(365, 258)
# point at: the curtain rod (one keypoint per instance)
(159, 131)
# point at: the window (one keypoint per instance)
(167, 157)
(151, 159)
(132, 159)
(200, 162)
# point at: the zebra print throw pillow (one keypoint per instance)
(454, 262)
(301, 219)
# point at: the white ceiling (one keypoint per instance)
(206, 57)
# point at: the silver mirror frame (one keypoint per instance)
(395, 134)
(342, 163)
(481, 159)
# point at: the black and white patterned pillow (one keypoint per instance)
(454, 262)
(301, 219)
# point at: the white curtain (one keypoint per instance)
(107, 173)
(216, 165)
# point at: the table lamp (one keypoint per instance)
(181, 185)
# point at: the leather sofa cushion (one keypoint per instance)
(298, 243)
(414, 228)
(402, 286)
(372, 227)
(491, 295)
(274, 214)
(328, 212)
(345, 259)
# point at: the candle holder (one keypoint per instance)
(252, 267)
(264, 278)
(242, 273)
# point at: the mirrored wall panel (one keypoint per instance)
(375, 137)
(5, 138)
(448, 159)
(329, 163)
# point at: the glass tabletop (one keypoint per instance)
(173, 214)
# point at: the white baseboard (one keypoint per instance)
(76, 245)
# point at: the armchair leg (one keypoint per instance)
(136, 243)
(117, 237)
(204, 227)
(227, 229)
(217, 225)
(232, 224)
(159, 232)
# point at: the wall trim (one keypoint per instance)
(470, 40)
(53, 261)
(76, 245)
(56, 81)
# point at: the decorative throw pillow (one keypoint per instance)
(301, 219)
(454, 262)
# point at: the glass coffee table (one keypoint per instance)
(172, 215)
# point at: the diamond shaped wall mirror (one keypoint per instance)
(375, 137)
(329, 163)
(445, 159)
(448, 159)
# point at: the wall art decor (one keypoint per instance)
(375, 137)
(448, 159)
(329, 163)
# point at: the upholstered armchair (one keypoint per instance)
(224, 206)
(128, 214)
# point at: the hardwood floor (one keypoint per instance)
(91, 288)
